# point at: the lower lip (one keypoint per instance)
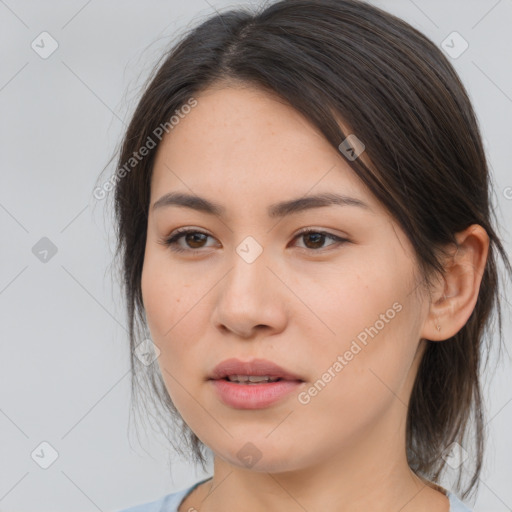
(253, 396)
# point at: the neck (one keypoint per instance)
(364, 474)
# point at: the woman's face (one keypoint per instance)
(346, 317)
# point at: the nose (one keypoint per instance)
(250, 298)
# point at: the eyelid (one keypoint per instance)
(171, 240)
(177, 234)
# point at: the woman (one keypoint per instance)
(304, 227)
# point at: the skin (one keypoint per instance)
(300, 304)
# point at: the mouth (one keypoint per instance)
(255, 384)
(251, 379)
(256, 371)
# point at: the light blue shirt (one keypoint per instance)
(171, 502)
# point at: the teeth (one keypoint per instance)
(252, 378)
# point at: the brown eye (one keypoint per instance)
(315, 239)
(194, 240)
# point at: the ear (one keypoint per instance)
(454, 297)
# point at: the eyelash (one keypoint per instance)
(171, 241)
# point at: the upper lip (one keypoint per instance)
(259, 367)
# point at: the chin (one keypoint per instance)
(261, 456)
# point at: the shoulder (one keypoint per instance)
(168, 503)
(456, 505)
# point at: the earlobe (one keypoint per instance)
(457, 292)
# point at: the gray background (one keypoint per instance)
(64, 363)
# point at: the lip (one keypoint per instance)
(255, 367)
(253, 396)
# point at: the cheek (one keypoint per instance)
(359, 299)
(165, 293)
(164, 306)
(361, 389)
(173, 308)
(156, 297)
(373, 319)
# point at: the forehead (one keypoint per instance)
(244, 122)
(245, 142)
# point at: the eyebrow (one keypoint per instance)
(275, 210)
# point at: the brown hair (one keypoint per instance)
(342, 59)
